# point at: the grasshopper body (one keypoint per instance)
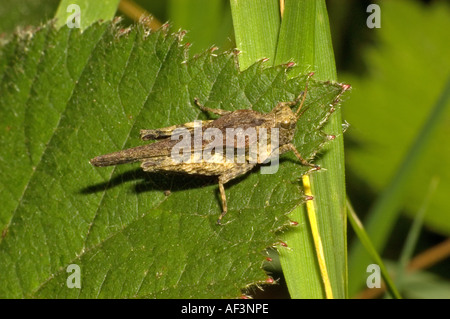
(157, 157)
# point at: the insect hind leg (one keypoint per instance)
(168, 131)
(224, 178)
(207, 109)
(290, 147)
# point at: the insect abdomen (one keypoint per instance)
(130, 155)
(166, 164)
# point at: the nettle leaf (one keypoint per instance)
(66, 97)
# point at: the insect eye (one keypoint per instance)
(285, 124)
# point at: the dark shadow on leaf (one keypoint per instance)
(163, 182)
(113, 182)
(152, 181)
(171, 182)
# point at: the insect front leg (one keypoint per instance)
(290, 147)
(301, 98)
(207, 109)
(167, 131)
(224, 178)
(291, 103)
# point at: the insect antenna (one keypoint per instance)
(301, 113)
(297, 113)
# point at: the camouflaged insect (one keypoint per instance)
(158, 156)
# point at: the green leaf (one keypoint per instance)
(66, 97)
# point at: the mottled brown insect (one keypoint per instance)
(156, 157)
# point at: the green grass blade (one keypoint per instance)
(365, 240)
(90, 11)
(386, 209)
(256, 26)
(206, 21)
(413, 234)
(305, 39)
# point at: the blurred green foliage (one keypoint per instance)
(406, 72)
(25, 13)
